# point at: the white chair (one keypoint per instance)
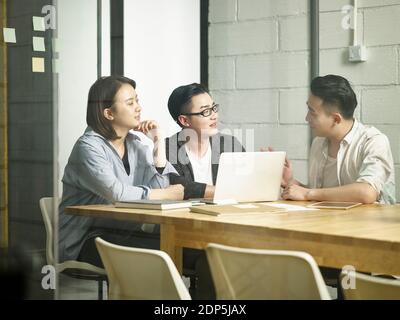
(242, 274)
(72, 268)
(370, 287)
(142, 274)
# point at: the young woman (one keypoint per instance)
(195, 150)
(108, 164)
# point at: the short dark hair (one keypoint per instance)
(181, 97)
(101, 96)
(335, 90)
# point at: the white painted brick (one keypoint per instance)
(380, 68)
(242, 38)
(290, 138)
(222, 10)
(295, 33)
(250, 106)
(289, 71)
(257, 9)
(293, 106)
(382, 26)
(231, 129)
(397, 176)
(245, 137)
(377, 3)
(273, 71)
(392, 132)
(221, 73)
(381, 106)
(337, 5)
(333, 5)
(333, 35)
(357, 112)
(398, 59)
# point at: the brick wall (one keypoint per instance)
(259, 72)
(259, 68)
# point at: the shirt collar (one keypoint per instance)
(350, 136)
(90, 132)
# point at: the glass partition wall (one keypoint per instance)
(49, 58)
(27, 140)
(257, 58)
(245, 55)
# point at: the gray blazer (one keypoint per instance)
(95, 174)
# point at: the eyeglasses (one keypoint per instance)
(205, 113)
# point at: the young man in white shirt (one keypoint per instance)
(348, 161)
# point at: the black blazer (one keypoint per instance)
(219, 143)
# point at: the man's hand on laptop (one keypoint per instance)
(287, 175)
(209, 192)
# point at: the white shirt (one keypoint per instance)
(201, 166)
(364, 156)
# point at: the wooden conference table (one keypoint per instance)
(366, 237)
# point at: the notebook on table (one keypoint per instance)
(238, 209)
(154, 204)
(335, 205)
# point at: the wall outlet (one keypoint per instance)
(357, 53)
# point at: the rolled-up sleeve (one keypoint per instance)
(95, 173)
(152, 177)
(376, 167)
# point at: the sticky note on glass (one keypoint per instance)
(38, 24)
(38, 44)
(9, 35)
(37, 64)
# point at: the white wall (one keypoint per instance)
(162, 51)
(259, 60)
(105, 39)
(77, 34)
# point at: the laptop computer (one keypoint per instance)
(248, 177)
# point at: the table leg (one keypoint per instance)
(168, 245)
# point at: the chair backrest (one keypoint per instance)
(370, 288)
(264, 274)
(47, 209)
(141, 274)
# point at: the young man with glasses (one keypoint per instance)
(195, 152)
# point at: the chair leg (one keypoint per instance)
(100, 289)
(192, 287)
